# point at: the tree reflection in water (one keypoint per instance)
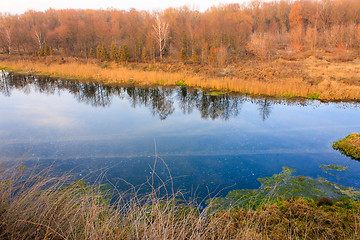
(161, 101)
(264, 108)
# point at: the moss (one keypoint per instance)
(286, 206)
(180, 83)
(215, 93)
(350, 145)
(334, 167)
(285, 185)
(160, 83)
(313, 96)
(288, 95)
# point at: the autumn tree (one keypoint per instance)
(45, 50)
(183, 55)
(38, 25)
(114, 52)
(7, 27)
(296, 25)
(92, 53)
(195, 57)
(219, 35)
(295, 15)
(212, 56)
(144, 55)
(124, 53)
(102, 52)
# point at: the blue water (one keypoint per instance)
(211, 144)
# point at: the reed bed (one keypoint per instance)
(282, 86)
(34, 205)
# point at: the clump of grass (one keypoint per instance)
(180, 83)
(350, 145)
(160, 83)
(313, 96)
(215, 93)
(325, 201)
(288, 95)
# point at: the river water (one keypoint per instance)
(210, 144)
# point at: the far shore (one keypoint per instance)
(310, 78)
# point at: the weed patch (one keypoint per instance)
(350, 145)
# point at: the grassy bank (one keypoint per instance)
(306, 78)
(350, 145)
(33, 206)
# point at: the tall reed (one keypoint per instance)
(285, 86)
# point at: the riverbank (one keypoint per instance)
(37, 207)
(307, 78)
(350, 145)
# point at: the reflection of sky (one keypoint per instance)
(236, 151)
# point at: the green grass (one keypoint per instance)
(288, 95)
(180, 83)
(160, 83)
(350, 145)
(215, 93)
(313, 96)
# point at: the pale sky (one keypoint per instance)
(20, 6)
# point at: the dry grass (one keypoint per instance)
(33, 206)
(309, 78)
(49, 208)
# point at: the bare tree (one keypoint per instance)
(6, 27)
(161, 31)
(39, 38)
(8, 39)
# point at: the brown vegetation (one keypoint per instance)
(34, 206)
(221, 35)
(308, 78)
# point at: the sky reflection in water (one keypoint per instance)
(208, 142)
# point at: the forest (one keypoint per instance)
(221, 35)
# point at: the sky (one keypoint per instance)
(20, 6)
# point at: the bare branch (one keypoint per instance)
(161, 31)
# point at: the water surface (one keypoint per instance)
(209, 143)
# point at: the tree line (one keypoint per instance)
(222, 34)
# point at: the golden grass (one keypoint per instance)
(284, 83)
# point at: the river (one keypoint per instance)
(210, 143)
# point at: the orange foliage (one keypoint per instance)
(295, 15)
(303, 25)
